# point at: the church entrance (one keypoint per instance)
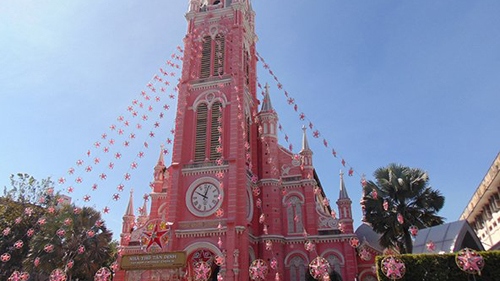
(203, 265)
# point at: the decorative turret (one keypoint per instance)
(268, 117)
(128, 220)
(344, 205)
(160, 187)
(268, 123)
(143, 212)
(159, 173)
(306, 153)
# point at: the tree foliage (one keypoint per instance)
(78, 239)
(402, 192)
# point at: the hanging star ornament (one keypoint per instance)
(103, 274)
(319, 267)
(469, 261)
(202, 271)
(258, 270)
(57, 275)
(393, 268)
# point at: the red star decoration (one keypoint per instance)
(155, 236)
(105, 210)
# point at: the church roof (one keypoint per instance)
(448, 238)
(365, 233)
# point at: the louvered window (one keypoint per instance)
(246, 64)
(215, 130)
(219, 55)
(212, 56)
(201, 133)
(205, 57)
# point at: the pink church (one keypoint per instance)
(234, 204)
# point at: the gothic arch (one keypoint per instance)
(335, 258)
(162, 210)
(293, 193)
(336, 253)
(251, 253)
(367, 275)
(209, 98)
(295, 253)
(191, 248)
(297, 265)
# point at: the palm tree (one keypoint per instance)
(400, 200)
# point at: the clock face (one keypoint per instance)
(205, 198)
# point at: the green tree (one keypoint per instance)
(79, 240)
(21, 206)
(26, 189)
(30, 211)
(400, 198)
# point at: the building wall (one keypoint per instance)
(482, 211)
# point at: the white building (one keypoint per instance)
(482, 212)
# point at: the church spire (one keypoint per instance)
(266, 103)
(130, 206)
(345, 210)
(161, 161)
(343, 190)
(305, 143)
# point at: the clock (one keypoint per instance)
(203, 199)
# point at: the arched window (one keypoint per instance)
(297, 269)
(208, 134)
(212, 56)
(334, 262)
(215, 130)
(294, 215)
(201, 133)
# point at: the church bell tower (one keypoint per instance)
(209, 184)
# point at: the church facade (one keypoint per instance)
(234, 204)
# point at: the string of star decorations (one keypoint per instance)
(89, 169)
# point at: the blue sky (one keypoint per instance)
(411, 82)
